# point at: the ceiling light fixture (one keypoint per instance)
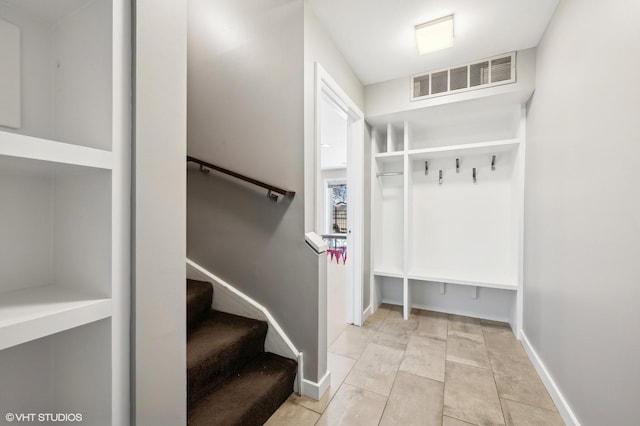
(434, 35)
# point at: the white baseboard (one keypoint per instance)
(367, 312)
(561, 403)
(315, 390)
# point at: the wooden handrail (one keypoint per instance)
(204, 166)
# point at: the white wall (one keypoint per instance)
(159, 243)
(582, 232)
(319, 47)
(394, 95)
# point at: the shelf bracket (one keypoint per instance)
(440, 177)
(443, 288)
(457, 165)
(493, 163)
(203, 169)
(474, 292)
(426, 167)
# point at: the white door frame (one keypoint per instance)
(325, 85)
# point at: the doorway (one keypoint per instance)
(339, 200)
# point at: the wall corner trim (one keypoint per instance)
(561, 403)
(315, 390)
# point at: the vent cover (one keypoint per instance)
(489, 72)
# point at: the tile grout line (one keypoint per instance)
(529, 405)
(444, 379)
(493, 376)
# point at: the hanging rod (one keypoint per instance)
(270, 188)
(390, 174)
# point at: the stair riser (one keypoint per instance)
(204, 377)
(199, 301)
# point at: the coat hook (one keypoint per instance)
(440, 178)
(426, 167)
(474, 175)
(457, 165)
(493, 162)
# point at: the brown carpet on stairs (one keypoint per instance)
(230, 379)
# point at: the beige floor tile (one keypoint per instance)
(464, 324)
(351, 342)
(467, 348)
(518, 380)
(414, 401)
(496, 327)
(376, 369)
(470, 394)
(425, 357)
(394, 323)
(353, 406)
(376, 319)
(432, 324)
(450, 421)
(339, 366)
(517, 414)
(504, 343)
(290, 414)
(397, 341)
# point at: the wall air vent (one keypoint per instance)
(488, 72)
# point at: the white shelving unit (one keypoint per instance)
(447, 228)
(64, 186)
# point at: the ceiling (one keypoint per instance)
(376, 37)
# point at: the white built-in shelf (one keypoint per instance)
(388, 272)
(492, 147)
(498, 283)
(31, 148)
(389, 155)
(35, 312)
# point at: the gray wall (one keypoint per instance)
(245, 113)
(159, 246)
(582, 209)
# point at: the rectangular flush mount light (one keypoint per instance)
(434, 35)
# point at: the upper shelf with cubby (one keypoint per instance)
(59, 68)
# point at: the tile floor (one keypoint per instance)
(433, 369)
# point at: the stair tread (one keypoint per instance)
(199, 300)
(221, 344)
(250, 396)
(217, 331)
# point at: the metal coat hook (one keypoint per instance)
(426, 167)
(457, 165)
(474, 175)
(493, 162)
(440, 177)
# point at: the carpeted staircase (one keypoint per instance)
(230, 379)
